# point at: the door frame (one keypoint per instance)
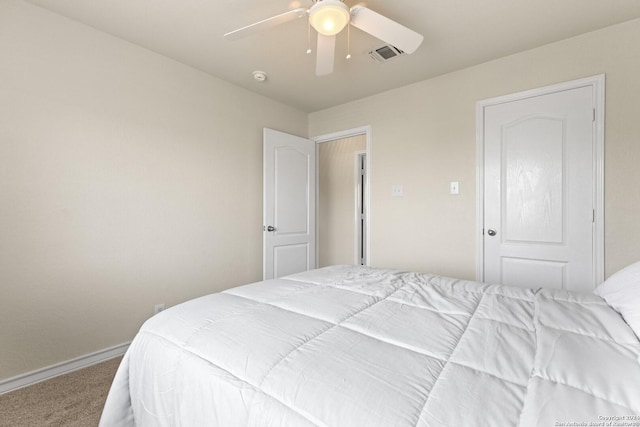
(366, 131)
(597, 84)
(360, 208)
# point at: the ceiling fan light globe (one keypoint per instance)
(329, 17)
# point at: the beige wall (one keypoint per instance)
(126, 180)
(423, 136)
(336, 200)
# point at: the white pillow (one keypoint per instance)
(622, 292)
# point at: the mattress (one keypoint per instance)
(358, 346)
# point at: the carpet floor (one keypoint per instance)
(75, 399)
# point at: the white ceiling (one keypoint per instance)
(458, 34)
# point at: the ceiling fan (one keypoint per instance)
(328, 18)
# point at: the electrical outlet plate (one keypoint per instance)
(397, 190)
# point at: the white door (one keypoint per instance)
(539, 182)
(289, 204)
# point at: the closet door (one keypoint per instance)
(539, 187)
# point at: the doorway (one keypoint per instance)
(540, 187)
(343, 198)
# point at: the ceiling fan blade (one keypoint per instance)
(265, 24)
(385, 29)
(326, 54)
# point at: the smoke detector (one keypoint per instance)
(260, 76)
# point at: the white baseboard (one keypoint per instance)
(33, 377)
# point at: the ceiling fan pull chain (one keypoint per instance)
(348, 41)
(308, 37)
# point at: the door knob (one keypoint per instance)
(271, 228)
(491, 232)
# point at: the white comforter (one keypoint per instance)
(347, 346)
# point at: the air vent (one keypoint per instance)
(385, 53)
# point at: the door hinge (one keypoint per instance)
(593, 217)
(594, 115)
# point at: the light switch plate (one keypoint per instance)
(396, 190)
(454, 187)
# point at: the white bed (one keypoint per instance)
(352, 346)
